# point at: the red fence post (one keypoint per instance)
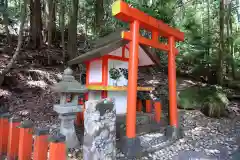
(79, 117)
(25, 140)
(4, 129)
(139, 105)
(40, 144)
(148, 106)
(58, 150)
(158, 111)
(13, 138)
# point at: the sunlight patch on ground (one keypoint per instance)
(153, 82)
(186, 83)
(40, 84)
(5, 93)
(198, 131)
(40, 72)
(148, 137)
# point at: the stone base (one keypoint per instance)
(145, 123)
(131, 147)
(174, 133)
(68, 130)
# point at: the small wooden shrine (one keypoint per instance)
(124, 50)
(107, 69)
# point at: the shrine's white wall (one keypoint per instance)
(120, 100)
(95, 71)
(117, 64)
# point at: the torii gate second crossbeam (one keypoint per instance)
(138, 20)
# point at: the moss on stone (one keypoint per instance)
(211, 100)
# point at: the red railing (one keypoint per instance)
(18, 140)
(149, 105)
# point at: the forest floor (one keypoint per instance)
(27, 92)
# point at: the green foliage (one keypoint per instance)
(115, 74)
(124, 72)
(211, 100)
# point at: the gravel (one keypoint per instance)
(204, 138)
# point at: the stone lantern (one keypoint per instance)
(70, 91)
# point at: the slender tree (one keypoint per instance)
(221, 42)
(72, 30)
(99, 16)
(231, 50)
(6, 23)
(35, 24)
(51, 21)
(62, 25)
(19, 45)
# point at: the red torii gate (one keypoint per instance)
(137, 20)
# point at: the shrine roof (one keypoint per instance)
(107, 44)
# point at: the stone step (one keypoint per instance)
(143, 129)
(142, 118)
(149, 143)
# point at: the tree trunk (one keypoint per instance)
(72, 30)
(221, 44)
(36, 24)
(209, 36)
(62, 27)
(6, 24)
(231, 44)
(19, 45)
(99, 16)
(228, 17)
(51, 21)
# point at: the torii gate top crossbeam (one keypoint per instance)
(124, 12)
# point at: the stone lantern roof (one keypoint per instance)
(69, 84)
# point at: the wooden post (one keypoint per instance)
(25, 140)
(4, 130)
(40, 144)
(158, 111)
(148, 106)
(172, 83)
(139, 105)
(13, 139)
(132, 81)
(79, 118)
(58, 148)
(80, 115)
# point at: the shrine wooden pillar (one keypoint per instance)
(132, 80)
(172, 83)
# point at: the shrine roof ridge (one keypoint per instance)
(107, 44)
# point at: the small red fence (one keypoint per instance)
(148, 104)
(18, 140)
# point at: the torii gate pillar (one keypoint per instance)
(137, 20)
